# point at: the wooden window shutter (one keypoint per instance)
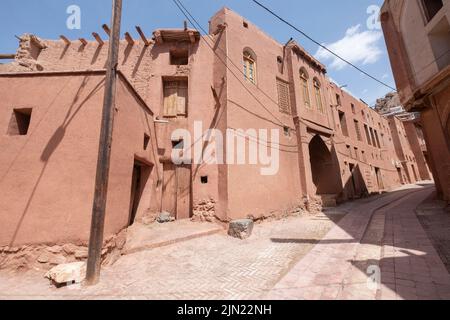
(170, 98)
(283, 97)
(182, 98)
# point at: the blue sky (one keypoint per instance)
(341, 24)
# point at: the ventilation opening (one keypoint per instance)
(245, 24)
(146, 141)
(204, 179)
(343, 123)
(338, 99)
(179, 57)
(178, 144)
(20, 122)
(287, 131)
(432, 7)
(280, 64)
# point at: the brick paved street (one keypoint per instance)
(309, 257)
(385, 236)
(213, 267)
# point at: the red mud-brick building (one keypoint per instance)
(331, 145)
(417, 35)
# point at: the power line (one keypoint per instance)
(225, 64)
(321, 45)
(239, 69)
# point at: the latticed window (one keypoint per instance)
(175, 98)
(357, 130)
(305, 87)
(318, 94)
(249, 67)
(283, 97)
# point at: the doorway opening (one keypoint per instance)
(400, 177)
(325, 172)
(140, 177)
(379, 179)
(413, 168)
(351, 167)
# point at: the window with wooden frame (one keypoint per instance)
(305, 87)
(175, 98)
(283, 97)
(249, 66)
(318, 94)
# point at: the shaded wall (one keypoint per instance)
(47, 176)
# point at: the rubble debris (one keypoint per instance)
(68, 273)
(165, 217)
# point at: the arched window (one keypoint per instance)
(305, 87)
(318, 94)
(249, 66)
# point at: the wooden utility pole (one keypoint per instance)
(104, 152)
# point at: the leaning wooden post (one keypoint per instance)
(104, 152)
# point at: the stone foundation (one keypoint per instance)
(44, 257)
(204, 210)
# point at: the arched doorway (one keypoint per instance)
(325, 172)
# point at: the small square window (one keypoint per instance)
(204, 179)
(20, 122)
(179, 57)
(287, 131)
(178, 144)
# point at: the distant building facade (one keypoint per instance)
(237, 79)
(417, 35)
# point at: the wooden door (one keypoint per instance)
(183, 174)
(169, 200)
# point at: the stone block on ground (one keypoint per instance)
(165, 217)
(241, 229)
(68, 273)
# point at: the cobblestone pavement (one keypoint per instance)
(378, 251)
(212, 267)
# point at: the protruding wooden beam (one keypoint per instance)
(129, 38)
(98, 38)
(83, 41)
(192, 36)
(143, 37)
(66, 41)
(7, 56)
(107, 29)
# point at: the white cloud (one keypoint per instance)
(357, 47)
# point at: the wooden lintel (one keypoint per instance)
(7, 56)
